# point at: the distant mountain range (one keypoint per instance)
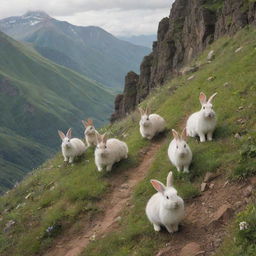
(142, 40)
(89, 50)
(38, 97)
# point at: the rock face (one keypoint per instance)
(191, 26)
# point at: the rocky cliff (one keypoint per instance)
(190, 27)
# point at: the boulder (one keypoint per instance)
(223, 214)
(191, 249)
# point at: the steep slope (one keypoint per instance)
(89, 50)
(190, 28)
(58, 202)
(37, 98)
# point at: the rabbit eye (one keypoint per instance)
(91, 128)
(177, 147)
(105, 146)
(68, 140)
(203, 107)
(167, 197)
(147, 118)
(185, 146)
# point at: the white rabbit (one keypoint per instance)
(165, 208)
(179, 151)
(71, 148)
(108, 152)
(90, 133)
(203, 122)
(150, 124)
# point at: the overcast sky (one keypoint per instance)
(119, 17)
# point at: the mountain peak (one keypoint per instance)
(37, 14)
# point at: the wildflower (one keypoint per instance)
(243, 225)
(49, 229)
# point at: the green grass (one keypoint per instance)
(37, 98)
(64, 196)
(241, 242)
(225, 154)
(61, 196)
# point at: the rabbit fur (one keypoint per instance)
(150, 124)
(165, 208)
(108, 152)
(203, 122)
(71, 147)
(179, 151)
(90, 133)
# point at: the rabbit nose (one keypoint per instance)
(176, 205)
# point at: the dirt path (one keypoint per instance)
(207, 218)
(122, 184)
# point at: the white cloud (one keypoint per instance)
(120, 22)
(120, 17)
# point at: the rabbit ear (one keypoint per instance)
(89, 122)
(184, 133)
(158, 186)
(69, 133)
(141, 111)
(202, 98)
(148, 110)
(211, 98)
(169, 180)
(104, 138)
(61, 134)
(175, 135)
(84, 123)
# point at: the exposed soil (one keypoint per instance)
(113, 203)
(203, 228)
(207, 217)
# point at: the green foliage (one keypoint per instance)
(175, 101)
(37, 98)
(67, 195)
(247, 163)
(241, 240)
(246, 238)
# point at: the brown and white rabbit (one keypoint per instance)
(90, 133)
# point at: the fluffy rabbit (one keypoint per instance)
(150, 124)
(203, 122)
(71, 148)
(179, 151)
(165, 208)
(108, 152)
(90, 133)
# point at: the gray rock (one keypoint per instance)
(210, 55)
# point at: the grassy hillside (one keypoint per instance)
(67, 196)
(88, 50)
(37, 98)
